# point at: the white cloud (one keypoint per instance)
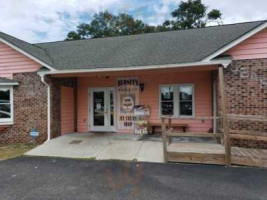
(240, 10)
(26, 18)
(162, 11)
(233, 10)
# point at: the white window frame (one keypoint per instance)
(193, 101)
(176, 100)
(7, 121)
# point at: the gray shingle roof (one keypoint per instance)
(7, 81)
(33, 50)
(172, 47)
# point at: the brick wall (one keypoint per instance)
(246, 90)
(29, 110)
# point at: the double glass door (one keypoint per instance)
(102, 109)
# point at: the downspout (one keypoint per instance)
(48, 108)
(214, 92)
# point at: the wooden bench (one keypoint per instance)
(174, 125)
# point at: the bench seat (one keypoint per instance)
(153, 125)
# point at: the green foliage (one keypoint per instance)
(214, 14)
(193, 14)
(73, 36)
(189, 14)
(106, 24)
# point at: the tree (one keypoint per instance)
(73, 36)
(193, 14)
(189, 14)
(106, 24)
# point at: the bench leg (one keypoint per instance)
(153, 130)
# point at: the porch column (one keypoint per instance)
(214, 100)
(224, 117)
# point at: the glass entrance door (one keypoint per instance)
(102, 110)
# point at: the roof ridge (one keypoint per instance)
(88, 39)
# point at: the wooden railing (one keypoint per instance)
(168, 133)
(248, 156)
(225, 134)
(247, 134)
(260, 118)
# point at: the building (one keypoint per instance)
(92, 85)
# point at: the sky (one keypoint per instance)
(50, 20)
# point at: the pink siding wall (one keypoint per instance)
(67, 110)
(202, 81)
(252, 48)
(11, 61)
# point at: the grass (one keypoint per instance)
(14, 150)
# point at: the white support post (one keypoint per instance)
(48, 109)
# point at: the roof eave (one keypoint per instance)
(223, 62)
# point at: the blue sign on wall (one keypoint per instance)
(34, 133)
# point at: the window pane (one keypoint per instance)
(111, 108)
(4, 96)
(99, 109)
(186, 108)
(167, 108)
(166, 93)
(186, 92)
(5, 111)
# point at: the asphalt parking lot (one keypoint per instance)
(34, 178)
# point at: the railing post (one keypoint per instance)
(164, 139)
(169, 127)
(169, 123)
(227, 145)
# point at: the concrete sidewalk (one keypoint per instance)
(101, 147)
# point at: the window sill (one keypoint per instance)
(178, 117)
(6, 124)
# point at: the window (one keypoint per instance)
(177, 100)
(167, 100)
(6, 104)
(186, 100)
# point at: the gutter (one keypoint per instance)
(223, 62)
(48, 109)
